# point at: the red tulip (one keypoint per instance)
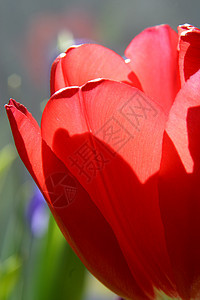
(117, 160)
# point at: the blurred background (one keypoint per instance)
(36, 262)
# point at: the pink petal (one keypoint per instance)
(154, 59)
(86, 62)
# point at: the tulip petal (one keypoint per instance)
(177, 127)
(86, 62)
(154, 59)
(86, 230)
(26, 133)
(189, 51)
(95, 243)
(109, 135)
(179, 192)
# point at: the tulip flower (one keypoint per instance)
(117, 159)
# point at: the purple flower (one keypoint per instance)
(37, 214)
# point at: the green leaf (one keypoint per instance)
(7, 156)
(9, 273)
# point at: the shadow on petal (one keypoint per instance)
(85, 228)
(130, 207)
(179, 196)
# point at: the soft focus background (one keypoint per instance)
(36, 262)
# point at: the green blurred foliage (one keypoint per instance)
(9, 274)
(7, 155)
